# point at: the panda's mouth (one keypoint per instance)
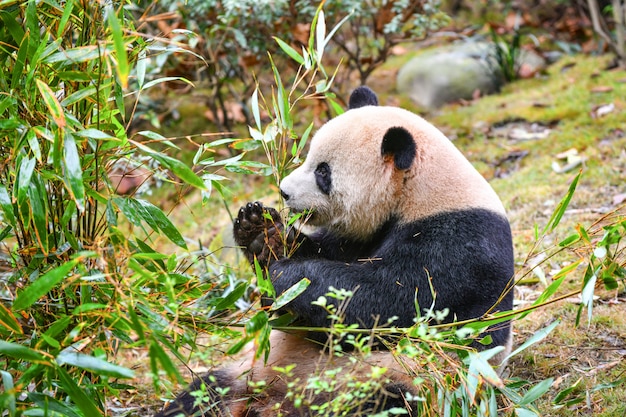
(302, 216)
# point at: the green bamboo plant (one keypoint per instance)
(81, 277)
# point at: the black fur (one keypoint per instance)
(212, 406)
(362, 96)
(323, 177)
(467, 255)
(258, 230)
(399, 143)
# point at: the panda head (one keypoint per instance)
(376, 163)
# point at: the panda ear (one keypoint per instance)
(362, 96)
(399, 144)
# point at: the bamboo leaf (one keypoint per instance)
(336, 106)
(9, 389)
(241, 343)
(136, 324)
(562, 395)
(95, 134)
(32, 23)
(7, 206)
(262, 342)
(42, 285)
(524, 412)
(53, 105)
(128, 209)
(52, 404)
(537, 337)
(7, 102)
(140, 68)
(562, 206)
(122, 67)
(254, 104)
(479, 367)
(164, 80)
(5, 232)
(79, 95)
(27, 167)
(74, 76)
(154, 136)
(291, 293)
(20, 61)
(11, 23)
(293, 54)
(58, 326)
(157, 353)
(78, 396)
(263, 282)
(73, 172)
(337, 27)
(87, 307)
(320, 34)
(8, 320)
(33, 143)
(181, 170)
(67, 13)
(39, 214)
(587, 296)
(228, 301)
(571, 239)
(75, 55)
(257, 322)
(536, 391)
(91, 363)
(162, 223)
(24, 353)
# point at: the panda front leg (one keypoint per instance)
(258, 230)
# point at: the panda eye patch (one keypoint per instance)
(322, 177)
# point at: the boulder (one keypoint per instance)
(459, 71)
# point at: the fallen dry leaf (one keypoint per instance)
(601, 89)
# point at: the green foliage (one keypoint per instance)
(282, 145)
(507, 54)
(85, 278)
(235, 36)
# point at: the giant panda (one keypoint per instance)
(394, 213)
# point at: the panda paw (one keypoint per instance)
(258, 230)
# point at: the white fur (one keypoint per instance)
(366, 186)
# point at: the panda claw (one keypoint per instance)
(251, 222)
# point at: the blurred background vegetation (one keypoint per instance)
(130, 131)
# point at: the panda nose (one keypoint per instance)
(284, 194)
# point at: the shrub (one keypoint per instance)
(84, 278)
(236, 35)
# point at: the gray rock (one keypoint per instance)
(455, 72)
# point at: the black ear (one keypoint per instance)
(399, 143)
(362, 96)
